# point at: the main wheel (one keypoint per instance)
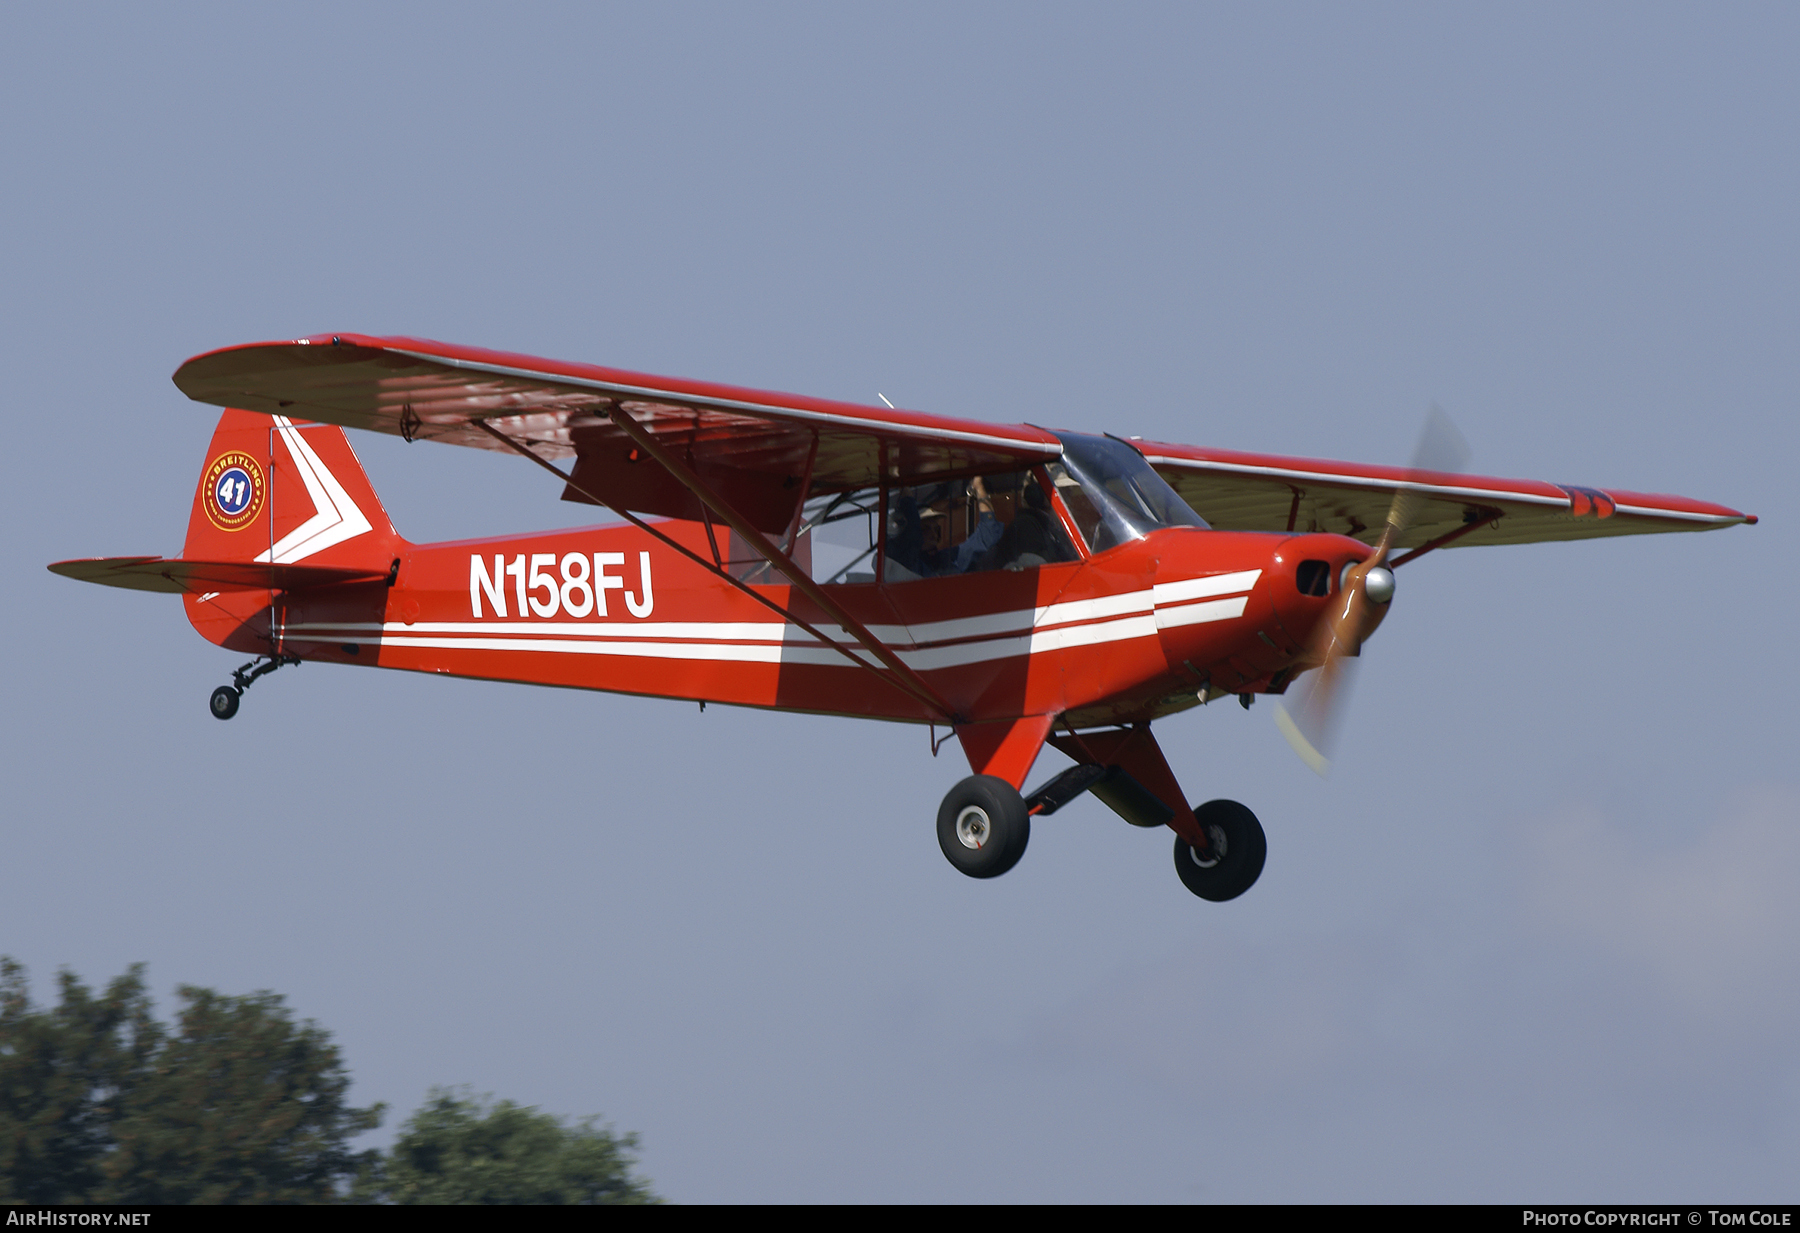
(225, 702)
(1234, 859)
(983, 827)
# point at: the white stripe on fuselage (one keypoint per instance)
(936, 644)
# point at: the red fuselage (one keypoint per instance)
(1142, 630)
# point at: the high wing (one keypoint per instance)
(754, 449)
(1262, 492)
(763, 452)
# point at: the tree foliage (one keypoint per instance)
(62, 1074)
(457, 1149)
(237, 1103)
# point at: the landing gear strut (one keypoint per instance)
(225, 698)
(983, 827)
(1234, 855)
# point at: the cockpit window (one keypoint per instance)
(988, 522)
(1113, 494)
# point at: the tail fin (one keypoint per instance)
(278, 492)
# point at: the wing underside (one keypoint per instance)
(1256, 492)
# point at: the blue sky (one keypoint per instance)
(1534, 940)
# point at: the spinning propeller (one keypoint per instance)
(1359, 604)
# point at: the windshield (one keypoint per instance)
(1113, 494)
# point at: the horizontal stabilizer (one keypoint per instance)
(176, 577)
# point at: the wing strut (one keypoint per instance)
(780, 560)
(929, 698)
(1450, 537)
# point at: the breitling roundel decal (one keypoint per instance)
(233, 491)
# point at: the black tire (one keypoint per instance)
(225, 702)
(1240, 849)
(983, 827)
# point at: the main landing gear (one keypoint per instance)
(1234, 854)
(984, 824)
(225, 698)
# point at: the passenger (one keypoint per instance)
(1033, 538)
(905, 541)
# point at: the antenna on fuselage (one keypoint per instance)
(883, 397)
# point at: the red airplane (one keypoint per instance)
(1016, 586)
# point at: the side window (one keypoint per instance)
(839, 535)
(965, 526)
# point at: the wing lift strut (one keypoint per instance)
(1474, 520)
(899, 675)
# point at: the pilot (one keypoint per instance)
(987, 533)
(916, 545)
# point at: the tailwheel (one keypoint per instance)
(1234, 855)
(225, 702)
(225, 698)
(983, 826)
